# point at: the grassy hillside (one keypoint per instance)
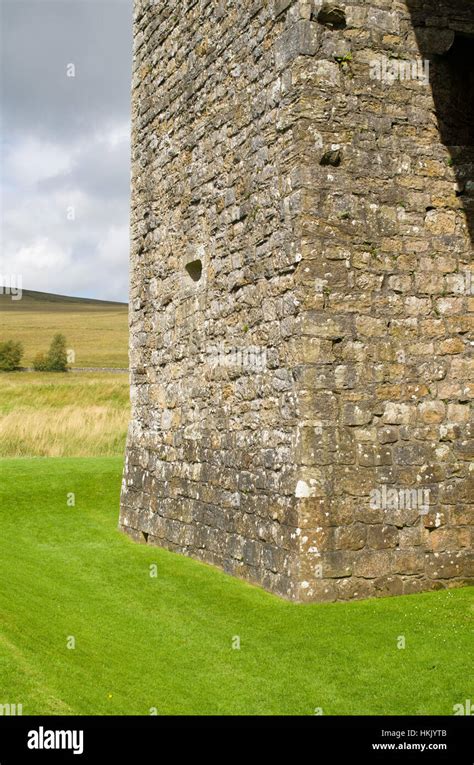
(165, 642)
(55, 415)
(96, 330)
(32, 300)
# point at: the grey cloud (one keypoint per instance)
(98, 172)
(77, 115)
(40, 39)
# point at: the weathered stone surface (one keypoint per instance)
(444, 565)
(300, 296)
(351, 537)
(371, 564)
(432, 411)
(382, 537)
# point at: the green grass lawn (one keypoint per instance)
(166, 642)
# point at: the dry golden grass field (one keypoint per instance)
(73, 414)
(63, 415)
(96, 331)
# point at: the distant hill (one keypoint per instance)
(34, 301)
(96, 330)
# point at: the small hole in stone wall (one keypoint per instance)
(145, 536)
(332, 157)
(332, 16)
(194, 270)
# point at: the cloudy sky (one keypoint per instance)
(65, 145)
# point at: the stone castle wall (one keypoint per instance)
(300, 290)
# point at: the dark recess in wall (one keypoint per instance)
(452, 84)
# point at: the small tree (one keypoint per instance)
(40, 363)
(56, 358)
(10, 355)
(57, 354)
